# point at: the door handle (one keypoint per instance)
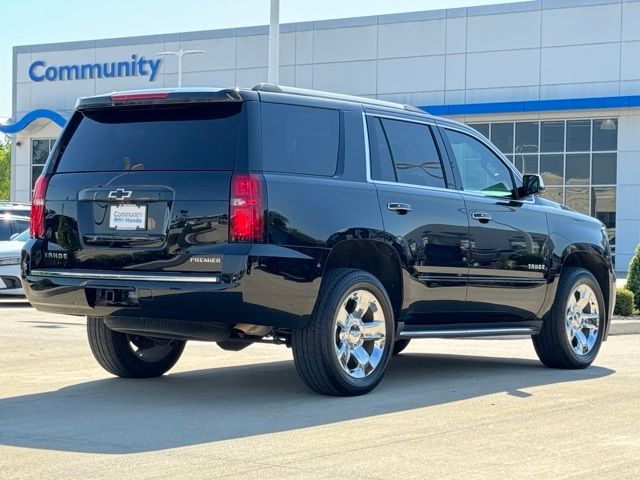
(482, 217)
(399, 208)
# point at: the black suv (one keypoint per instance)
(342, 227)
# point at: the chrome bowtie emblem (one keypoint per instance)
(120, 194)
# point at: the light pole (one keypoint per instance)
(180, 53)
(274, 41)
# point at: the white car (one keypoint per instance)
(10, 264)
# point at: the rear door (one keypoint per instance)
(144, 187)
(423, 218)
(509, 237)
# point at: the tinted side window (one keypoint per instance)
(414, 153)
(381, 163)
(299, 139)
(481, 170)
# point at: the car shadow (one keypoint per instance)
(44, 324)
(116, 416)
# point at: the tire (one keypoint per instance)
(556, 345)
(131, 356)
(400, 345)
(365, 343)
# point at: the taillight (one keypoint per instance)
(246, 223)
(132, 97)
(36, 226)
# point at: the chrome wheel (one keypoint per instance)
(360, 333)
(582, 319)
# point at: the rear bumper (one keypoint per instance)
(255, 287)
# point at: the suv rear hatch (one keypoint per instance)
(141, 182)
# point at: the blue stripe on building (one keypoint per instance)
(527, 106)
(32, 117)
(534, 106)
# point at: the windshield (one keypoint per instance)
(22, 237)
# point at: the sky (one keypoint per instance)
(27, 22)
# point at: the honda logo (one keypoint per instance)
(120, 194)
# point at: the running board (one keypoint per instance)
(467, 332)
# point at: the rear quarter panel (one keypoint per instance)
(312, 214)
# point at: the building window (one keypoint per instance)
(577, 159)
(40, 148)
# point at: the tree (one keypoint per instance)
(5, 169)
(633, 276)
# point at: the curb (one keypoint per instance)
(624, 327)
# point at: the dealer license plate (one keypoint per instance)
(128, 217)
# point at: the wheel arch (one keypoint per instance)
(597, 265)
(375, 257)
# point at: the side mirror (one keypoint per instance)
(13, 237)
(531, 184)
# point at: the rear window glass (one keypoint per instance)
(193, 137)
(299, 139)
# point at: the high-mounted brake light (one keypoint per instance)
(36, 225)
(132, 97)
(246, 208)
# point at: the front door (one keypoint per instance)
(509, 237)
(424, 220)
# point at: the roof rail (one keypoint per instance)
(273, 88)
(412, 108)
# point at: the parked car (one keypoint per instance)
(10, 252)
(11, 224)
(342, 227)
(15, 208)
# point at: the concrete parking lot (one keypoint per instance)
(446, 409)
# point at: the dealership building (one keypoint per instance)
(555, 84)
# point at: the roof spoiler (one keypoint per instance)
(159, 97)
